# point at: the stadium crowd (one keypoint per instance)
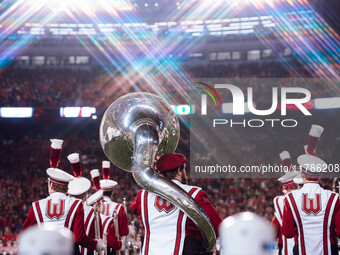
(41, 87)
(25, 159)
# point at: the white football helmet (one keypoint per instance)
(246, 234)
(46, 240)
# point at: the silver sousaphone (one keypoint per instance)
(134, 129)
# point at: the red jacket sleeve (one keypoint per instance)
(92, 230)
(79, 232)
(215, 219)
(112, 239)
(123, 222)
(30, 220)
(276, 225)
(288, 222)
(136, 204)
(336, 218)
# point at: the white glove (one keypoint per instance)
(100, 245)
(123, 243)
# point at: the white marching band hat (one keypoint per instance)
(56, 147)
(95, 198)
(298, 179)
(313, 139)
(291, 174)
(75, 162)
(311, 164)
(286, 160)
(80, 185)
(95, 178)
(107, 184)
(288, 178)
(59, 176)
(56, 175)
(105, 164)
(56, 144)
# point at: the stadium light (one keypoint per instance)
(183, 109)
(75, 112)
(89, 7)
(327, 103)
(16, 112)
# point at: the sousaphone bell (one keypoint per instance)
(134, 130)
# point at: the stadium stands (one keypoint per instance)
(26, 157)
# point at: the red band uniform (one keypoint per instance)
(167, 229)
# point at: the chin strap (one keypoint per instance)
(287, 188)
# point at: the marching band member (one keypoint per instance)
(59, 210)
(312, 212)
(167, 229)
(110, 206)
(78, 189)
(286, 245)
(108, 230)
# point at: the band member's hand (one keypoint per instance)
(100, 245)
(123, 244)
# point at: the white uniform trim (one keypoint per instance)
(89, 224)
(118, 209)
(110, 206)
(106, 225)
(72, 214)
(144, 221)
(296, 221)
(195, 193)
(87, 212)
(330, 220)
(287, 243)
(278, 211)
(36, 214)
